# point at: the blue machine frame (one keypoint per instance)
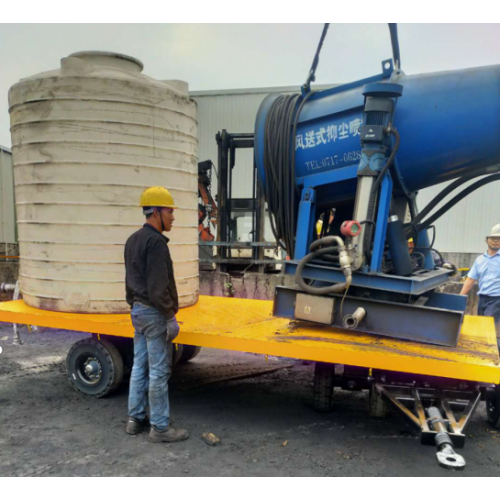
(326, 167)
(437, 319)
(307, 210)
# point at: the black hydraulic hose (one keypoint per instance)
(367, 221)
(368, 233)
(279, 167)
(327, 241)
(446, 191)
(433, 235)
(421, 255)
(389, 162)
(456, 199)
(294, 135)
(280, 183)
(331, 258)
(279, 158)
(337, 287)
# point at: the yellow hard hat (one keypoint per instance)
(157, 196)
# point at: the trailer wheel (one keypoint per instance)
(324, 374)
(177, 351)
(94, 367)
(493, 408)
(377, 406)
(189, 352)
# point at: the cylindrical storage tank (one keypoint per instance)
(87, 139)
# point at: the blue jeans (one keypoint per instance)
(152, 365)
(490, 306)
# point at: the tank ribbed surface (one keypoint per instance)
(87, 139)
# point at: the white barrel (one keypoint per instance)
(87, 139)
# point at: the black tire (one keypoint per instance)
(103, 358)
(189, 352)
(324, 377)
(177, 351)
(493, 408)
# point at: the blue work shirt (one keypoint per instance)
(486, 269)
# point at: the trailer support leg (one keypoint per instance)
(425, 407)
(446, 456)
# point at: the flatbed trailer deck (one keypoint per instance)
(248, 325)
(412, 376)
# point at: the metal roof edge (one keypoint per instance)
(3, 148)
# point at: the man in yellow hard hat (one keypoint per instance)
(486, 269)
(152, 295)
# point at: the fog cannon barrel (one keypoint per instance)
(449, 124)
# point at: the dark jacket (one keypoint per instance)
(149, 271)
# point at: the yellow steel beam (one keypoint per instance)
(248, 325)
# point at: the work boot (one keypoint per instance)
(136, 426)
(169, 435)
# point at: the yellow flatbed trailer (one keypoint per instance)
(408, 374)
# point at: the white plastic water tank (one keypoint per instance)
(87, 139)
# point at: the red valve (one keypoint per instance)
(350, 228)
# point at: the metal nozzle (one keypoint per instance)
(7, 287)
(352, 321)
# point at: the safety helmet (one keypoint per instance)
(156, 196)
(495, 232)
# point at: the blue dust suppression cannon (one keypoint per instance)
(341, 170)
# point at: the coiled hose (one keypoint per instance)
(279, 166)
(331, 244)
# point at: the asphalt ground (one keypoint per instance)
(264, 419)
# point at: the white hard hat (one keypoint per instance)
(495, 232)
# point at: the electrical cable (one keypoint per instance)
(279, 159)
(389, 162)
(440, 256)
(280, 183)
(342, 303)
(433, 235)
(445, 192)
(421, 255)
(367, 221)
(279, 167)
(491, 178)
(434, 250)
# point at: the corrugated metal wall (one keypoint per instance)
(461, 230)
(8, 233)
(235, 113)
(464, 227)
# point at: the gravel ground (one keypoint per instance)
(266, 424)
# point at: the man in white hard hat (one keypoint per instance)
(486, 269)
(152, 295)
